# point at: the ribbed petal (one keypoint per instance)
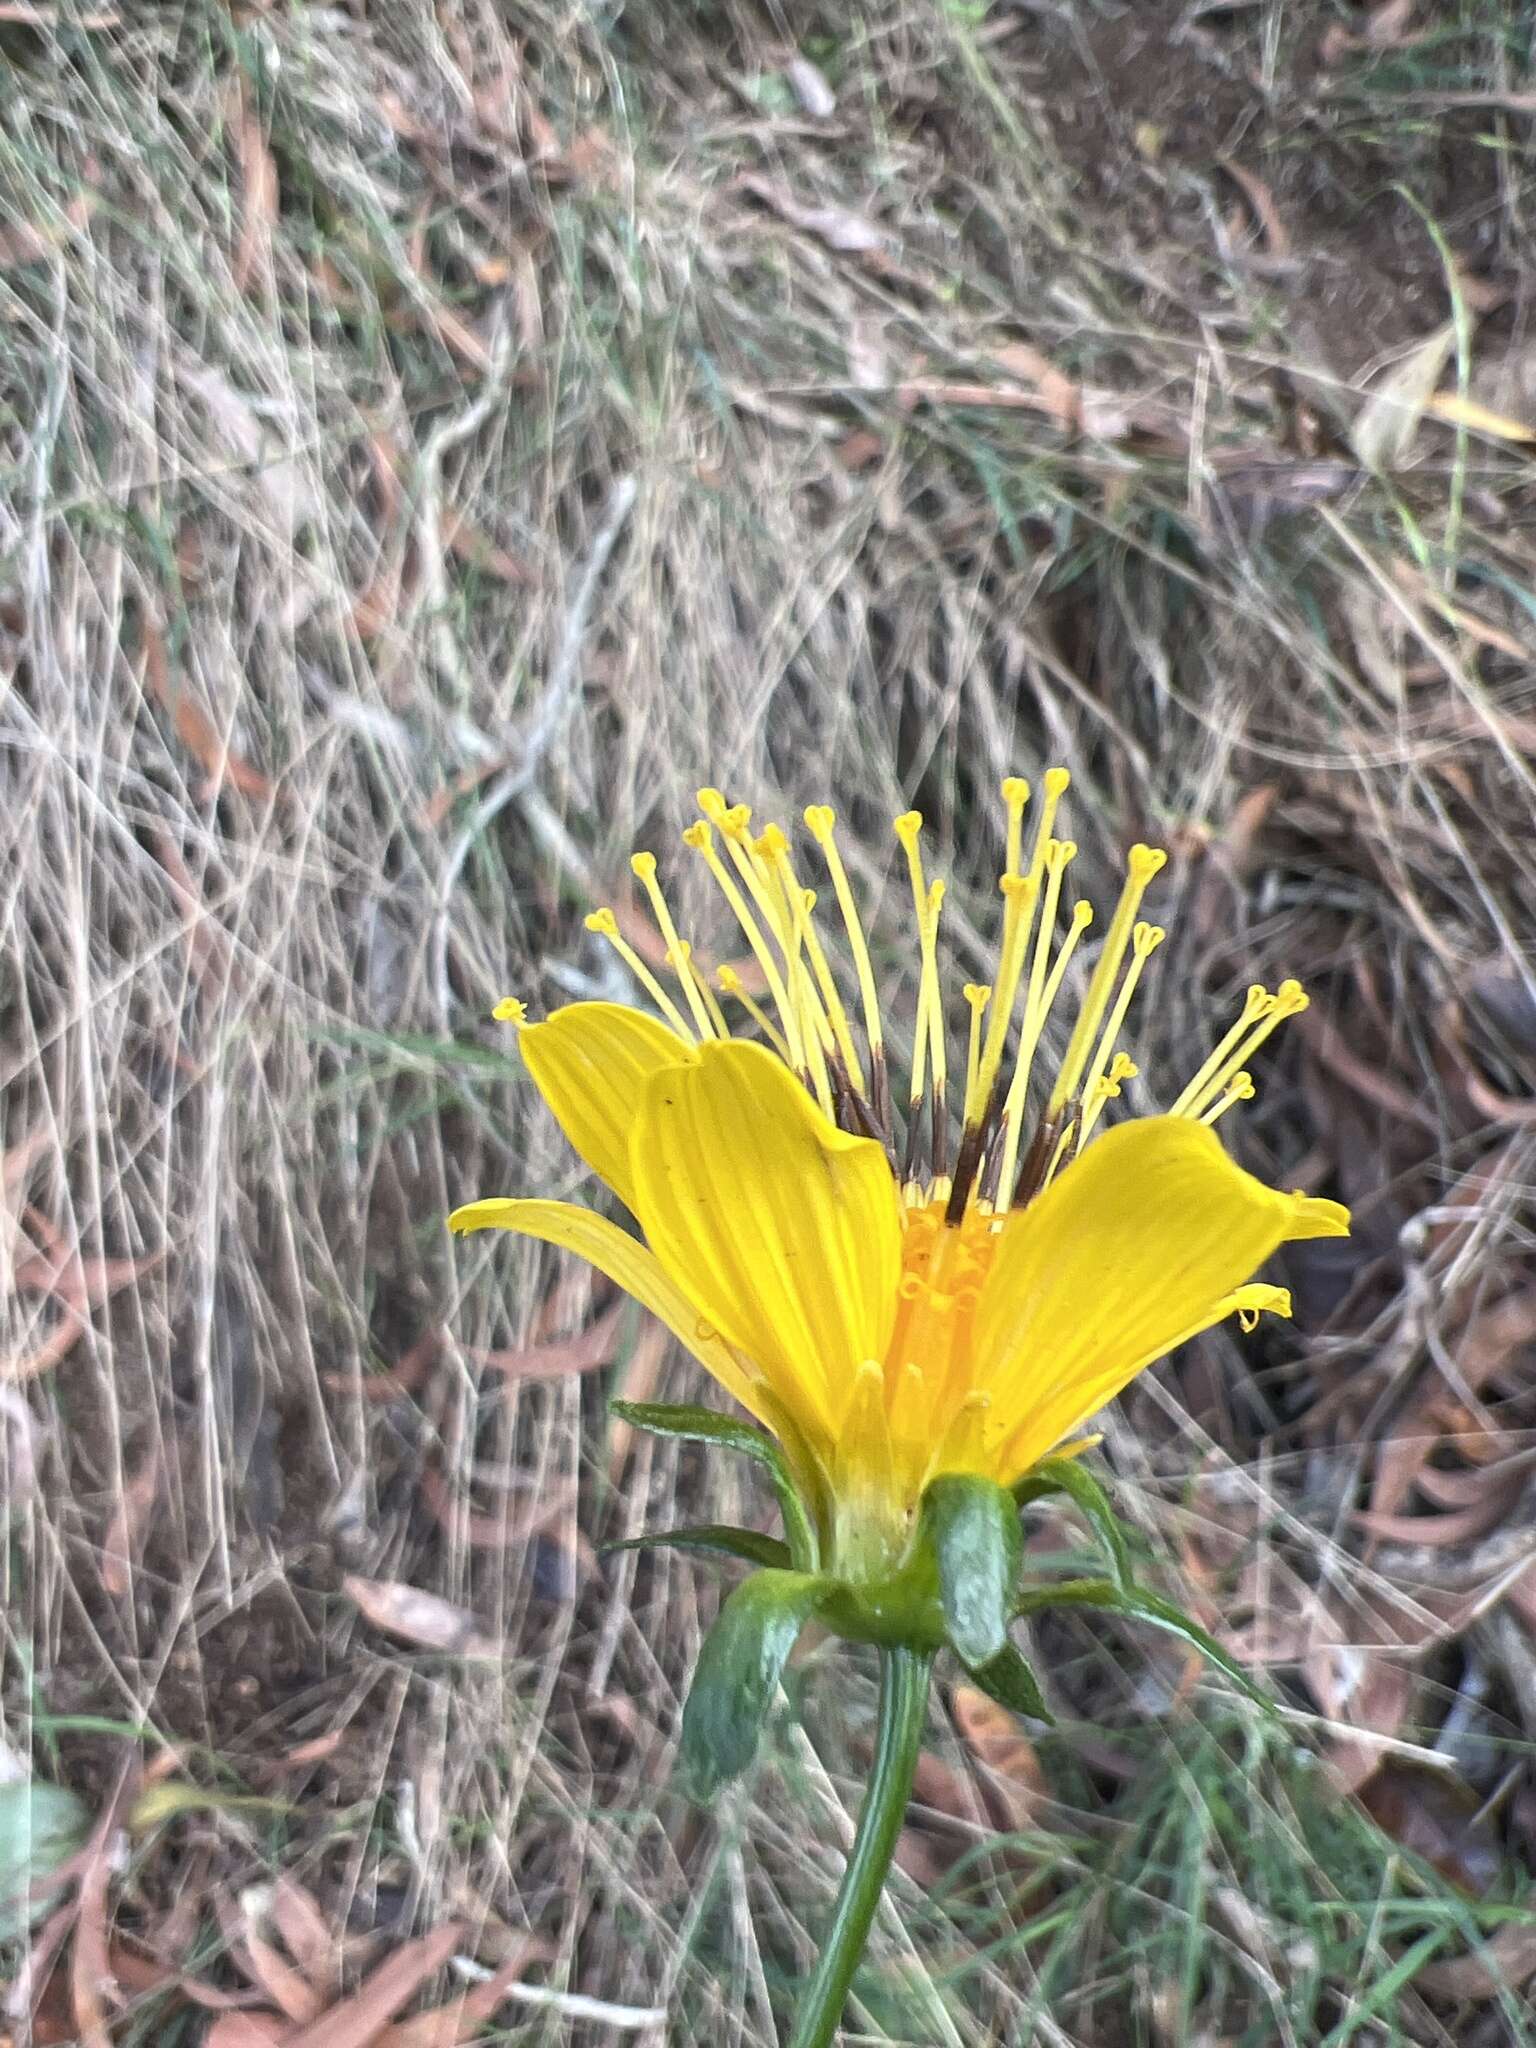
(590, 1062)
(1143, 1242)
(627, 1264)
(785, 1230)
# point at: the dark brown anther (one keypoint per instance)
(914, 1133)
(939, 1125)
(880, 1093)
(972, 1142)
(852, 1112)
(1036, 1162)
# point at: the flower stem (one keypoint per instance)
(903, 1703)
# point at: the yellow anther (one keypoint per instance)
(712, 803)
(1015, 796)
(606, 925)
(1105, 1088)
(736, 823)
(679, 955)
(1262, 1014)
(1142, 864)
(1239, 1089)
(511, 1010)
(906, 828)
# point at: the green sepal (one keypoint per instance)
(693, 1423)
(739, 1668)
(1007, 1679)
(973, 1527)
(750, 1545)
(1142, 1606)
(1066, 1475)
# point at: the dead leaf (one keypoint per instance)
(419, 1617)
(640, 1381)
(449, 2026)
(1385, 427)
(463, 538)
(1262, 200)
(1003, 1749)
(1437, 1817)
(139, 1495)
(849, 233)
(310, 1936)
(1501, 1964)
(277, 1979)
(357, 2021)
(585, 1352)
(1060, 395)
(1466, 412)
(258, 196)
(194, 728)
(246, 2030)
(489, 1532)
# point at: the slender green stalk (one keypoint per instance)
(903, 1702)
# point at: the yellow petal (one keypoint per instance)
(1143, 1242)
(627, 1264)
(785, 1230)
(590, 1062)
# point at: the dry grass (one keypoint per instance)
(434, 439)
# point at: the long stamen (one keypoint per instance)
(820, 822)
(701, 839)
(1257, 1003)
(978, 994)
(643, 867)
(733, 985)
(1288, 1000)
(1015, 796)
(774, 850)
(606, 925)
(1044, 989)
(1239, 1089)
(1103, 1088)
(1145, 940)
(1142, 864)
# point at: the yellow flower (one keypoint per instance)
(891, 1304)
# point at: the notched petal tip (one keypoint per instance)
(1316, 1216)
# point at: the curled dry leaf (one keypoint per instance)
(419, 1617)
(1504, 1963)
(997, 1743)
(357, 2021)
(1385, 427)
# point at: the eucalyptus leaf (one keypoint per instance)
(973, 1526)
(750, 1545)
(738, 1672)
(690, 1422)
(41, 1827)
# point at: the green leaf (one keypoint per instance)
(41, 1826)
(738, 1671)
(1066, 1475)
(693, 1423)
(747, 1544)
(973, 1526)
(1007, 1679)
(1142, 1606)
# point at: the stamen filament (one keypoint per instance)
(643, 867)
(1016, 797)
(701, 839)
(1142, 864)
(1145, 940)
(820, 822)
(606, 925)
(733, 985)
(978, 995)
(1239, 1089)
(1258, 1002)
(1289, 999)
